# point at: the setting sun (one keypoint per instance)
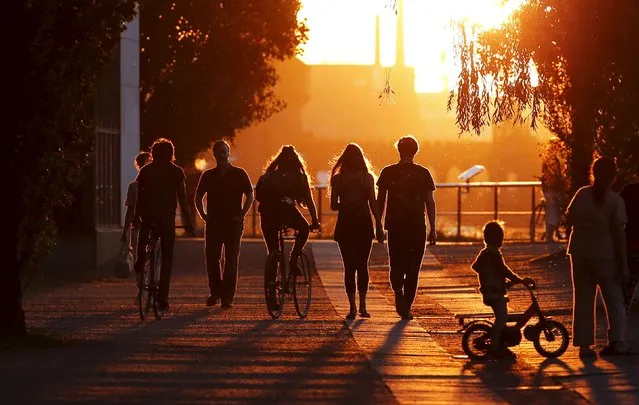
(343, 32)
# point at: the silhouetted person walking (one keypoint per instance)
(597, 249)
(409, 188)
(129, 232)
(225, 186)
(284, 185)
(160, 187)
(630, 195)
(353, 196)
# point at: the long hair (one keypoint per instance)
(352, 159)
(603, 172)
(163, 151)
(287, 159)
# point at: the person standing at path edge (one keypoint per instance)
(224, 186)
(409, 188)
(597, 249)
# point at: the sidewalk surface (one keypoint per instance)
(96, 350)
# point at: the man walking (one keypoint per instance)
(225, 186)
(409, 188)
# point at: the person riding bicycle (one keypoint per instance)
(160, 187)
(284, 185)
(492, 273)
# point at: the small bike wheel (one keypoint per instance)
(303, 287)
(274, 284)
(476, 340)
(552, 339)
(145, 289)
(157, 268)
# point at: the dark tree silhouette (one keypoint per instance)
(56, 53)
(588, 84)
(207, 68)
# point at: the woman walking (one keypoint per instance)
(353, 196)
(597, 250)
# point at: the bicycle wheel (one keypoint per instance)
(476, 340)
(146, 286)
(302, 287)
(552, 340)
(157, 268)
(274, 284)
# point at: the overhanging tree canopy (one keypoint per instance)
(586, 89)
(207, 68)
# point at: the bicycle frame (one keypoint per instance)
(282, 237)
(533, 310)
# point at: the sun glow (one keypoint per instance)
(343, 32)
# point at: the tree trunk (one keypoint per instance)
(12, 322)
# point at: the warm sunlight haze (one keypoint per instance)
(342, 32)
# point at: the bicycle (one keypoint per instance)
(281, 284)
(149, 283)
(148, 286)
(476, 334)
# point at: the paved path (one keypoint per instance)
(96, 351)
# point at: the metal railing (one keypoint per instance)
(453, 211)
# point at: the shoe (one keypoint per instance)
(212, 301)
(400, 306)
(613, 349)
(163, 306)
(504, 353)
(351, 314)
(364, 314)
(586, 352)
(227, 305)
(407, 316)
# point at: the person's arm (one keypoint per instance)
(199, 196)
(248, 201)
(310, 204)
(334, 194)
(128, 216)
(372, 203)
(184, 208)
(504, 269)
(431, 211)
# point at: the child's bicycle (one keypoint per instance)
(549, 337)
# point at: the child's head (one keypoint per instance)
(493, 233)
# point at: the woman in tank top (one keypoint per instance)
(353, 196)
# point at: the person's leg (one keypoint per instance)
(396, 258)
(213, 255)
(232, 240)
(168, 244)
(606, 275)
(143, 238)
(348, 253)
(414, 256)
(295, 220)
(500, 310)
(363, 253)
(584, 289)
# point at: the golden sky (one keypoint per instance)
(343, 32)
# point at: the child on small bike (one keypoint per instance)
(492, 273)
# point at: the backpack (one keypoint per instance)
(273, 186)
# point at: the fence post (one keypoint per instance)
(532, 215)
(459, 208)
(319, 207)
(254, 213)
(496, 202)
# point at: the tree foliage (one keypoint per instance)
(586, 86)
(207, 68)
(57, 51)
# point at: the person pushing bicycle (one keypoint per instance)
(492, 273)
(161, 187)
